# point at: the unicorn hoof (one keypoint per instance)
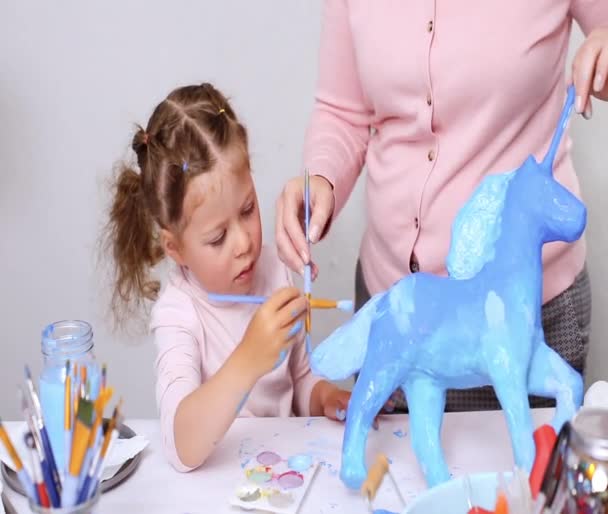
(353, 476)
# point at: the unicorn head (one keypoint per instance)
(558, 214)
(542, 203)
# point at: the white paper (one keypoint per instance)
(2, 511)
(120, 451)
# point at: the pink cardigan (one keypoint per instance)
(431, 96)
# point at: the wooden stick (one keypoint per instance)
(375, 475)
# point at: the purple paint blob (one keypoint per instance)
(268, 458)
(291, 480)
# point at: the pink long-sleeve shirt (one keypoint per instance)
(432, 96)
(195, 336)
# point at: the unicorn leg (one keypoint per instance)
(372, 389)
(426, 401)
(510, 386)
(551, 376)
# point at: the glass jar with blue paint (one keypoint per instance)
(65, 341)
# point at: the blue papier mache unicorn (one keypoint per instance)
(479, 326)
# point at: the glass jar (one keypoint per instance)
(65, 341)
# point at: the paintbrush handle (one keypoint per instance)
(69, 495)
(86, 466)
(26, 483)
(50, 459)
(83, 495)
(47, 476)
(236, 298)
(43, 495)
(375, 475)
(67, 451)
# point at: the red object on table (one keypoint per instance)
(544, 438)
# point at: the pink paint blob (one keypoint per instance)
(291, 480)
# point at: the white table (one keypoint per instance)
(473, 442)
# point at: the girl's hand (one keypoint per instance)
(289, 232)
(590, 69)
(272, 331)
(335, 403)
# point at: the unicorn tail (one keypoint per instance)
(341, 354)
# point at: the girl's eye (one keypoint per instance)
(218, 240)
(248, 210)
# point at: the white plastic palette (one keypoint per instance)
(273, 484)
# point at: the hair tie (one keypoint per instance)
(145, 138)
(221, 111)
(185, 166)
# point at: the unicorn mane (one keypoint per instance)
(476, 227)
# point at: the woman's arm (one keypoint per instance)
(339, 130)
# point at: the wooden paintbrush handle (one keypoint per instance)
(375, 475)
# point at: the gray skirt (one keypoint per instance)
(566, 323)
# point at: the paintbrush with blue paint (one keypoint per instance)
(315, 303)
(308, 266)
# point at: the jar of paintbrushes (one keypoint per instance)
(67, 438)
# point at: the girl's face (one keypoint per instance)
(222, 239)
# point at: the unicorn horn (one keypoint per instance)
(559, 131)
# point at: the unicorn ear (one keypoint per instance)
(547, 163)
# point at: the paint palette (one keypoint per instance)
(272, 483)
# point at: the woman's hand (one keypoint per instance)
(590, 69)
(289, 232)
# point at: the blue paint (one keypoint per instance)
(297, 326)
(479, 326)
(300, 462)
(281, 358)
(399, 433)
(62, 341)
(236, 298)
(307, 267)
(340, 414)
(242, 404)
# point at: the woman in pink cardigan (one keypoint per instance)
(431, 96)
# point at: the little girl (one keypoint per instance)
(192, 198)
